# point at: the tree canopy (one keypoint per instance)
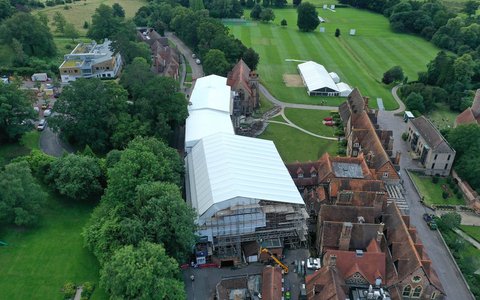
(307, 19)
(104, 23)
(143, 272)
(394, 74)
(21, 198)
(215, 63)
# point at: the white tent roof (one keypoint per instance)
(342, 87)
(211, 92)
(316, 76)
(335, 77)
(205, 122)
(223, 167)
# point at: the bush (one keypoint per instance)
(69, 290)
(444, 195)
(68, 46)
(68, 1)
(451, 184)
(435, 179)
(455, 190)
(449, 180)
(341, 151)
(88, 288)
(59, 2)
(459, 196)
(50, 3)
(404, 136)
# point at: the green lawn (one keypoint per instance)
(433, 192)
(359, 60)
(295, 145)
(38, 261)
(310, 120)
(442, 117)
(82, 11)
(265, 106)
(473, 231)
(29, 141)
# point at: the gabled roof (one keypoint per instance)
(471, 114)
(337, 185)
(239, 75)
(204, 122)
(430, 133)
(326, 283)
(316, 76)
(211, 92)
(476, 104)
(224, 166)
(272, 283)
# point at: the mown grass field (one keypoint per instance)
(310, 120)
(473, 231)
(29, 141)
(433, 192)
(38, 261)
(81, 11)
(359, 60)
(295, 145)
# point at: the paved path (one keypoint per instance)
(51, 144)
(467, 238)
(197, 70)
(399, 101)
(447, 271)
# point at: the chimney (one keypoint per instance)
(366, 102)
(332, 262)
(345, 236)
(397, 158)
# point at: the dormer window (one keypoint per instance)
(314, 174)
(356, 145)
(385, 174)
(300, 175)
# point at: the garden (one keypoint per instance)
(436, 190)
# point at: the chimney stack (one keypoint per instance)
(366, 102)
(332, 261)
(397, 158)
(345, 236)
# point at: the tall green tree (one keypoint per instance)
(77, 177)
(394, 74)
(70, 31)
(256, 11)
(251, 58)
(215, 63)
(307, 19)
(118, 10)
(6, 10)
(267, 15)
(464, 69)
(89, 112)
(104, 23)
(59, 21)
(21, 198)
(143, 272)
(34, 36)
(16, 108)
(470, 7)
(464, 138)
(414, 101)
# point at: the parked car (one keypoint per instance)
(328, 119)
(194, 56)
(329, 123)
(36, 109)
(430, 220)
(42, 124)
(47, 112)
(198, 61)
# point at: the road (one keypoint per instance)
(197, 70)
(51, 144)
(448, 273)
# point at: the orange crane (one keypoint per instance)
(284, 267)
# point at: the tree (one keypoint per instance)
(196, 5)
(414, 101)
(85, 25)
(464, 138)
(394, 74)
(256, 12)
(15, 112)
(118, 10)
(42, 17)
(59, 21)
(70, 31)
(296, 2)
(21, 198)
(104, 23)
(251, 58)
(143, 272)
(449, 220)
(89, 112)
(34, 36)
(135, 75)
(6, 10)
(307, 19)
(337, 32)
(267, 15)
(280, 3)
(470, 7)
(283, 23)
(463, 69)
(215, 63)
(77, 177)
(250, 3)
(266, 3)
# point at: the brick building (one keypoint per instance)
(244, 83)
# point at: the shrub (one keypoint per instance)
(69, 290)
(435, 179)
(444, 195)
(459, 196)
(455, 190)
(404, 136)
(50, 3)
(451, 184)
(283, 22)
(88, 288)
(59, 2)
(341, 151)
(68, 1)
(68, 46)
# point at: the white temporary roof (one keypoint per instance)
(211, 92)
(316, 76)
(227, 168)
(335, 77)
(205, 122)
(343, 87)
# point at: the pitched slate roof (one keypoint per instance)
(272, 283)
(431, 135)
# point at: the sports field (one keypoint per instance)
(359, 60)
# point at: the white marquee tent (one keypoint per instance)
(317, 79)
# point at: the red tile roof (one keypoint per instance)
(240, 75)
(466, 117)
(326, 284)
(272, 283)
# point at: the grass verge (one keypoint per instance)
(473, 231)
(432, 192)
(310, 120)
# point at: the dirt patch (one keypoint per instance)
(292, 80)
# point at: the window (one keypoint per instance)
(416, 279)
(356, 145)
(64, 71)
(108, 75)
(385, 174)
(406, 291)
(448, 158)
(76, 71)
(300, 175)
(433, 166)
(434, 295)
(435, 158)
(446, 166)
(96, 68)
(108, 68)
(417, 292)
(314, 174)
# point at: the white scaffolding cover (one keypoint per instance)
(225, 170)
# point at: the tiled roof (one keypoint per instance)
(326, 283)
(346, 213)
(272, 283)
(406, 250)
(240, 75)
(466, 117)
(337, 185)
(476, 104)
(362, 234)
(431, 135)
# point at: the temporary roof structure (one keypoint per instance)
(335, 77)
(344, 89)
(225, 170)
(205, 122)
(316, 77)
(211, 92)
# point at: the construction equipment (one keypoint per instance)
(284, 267)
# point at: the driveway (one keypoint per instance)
(446, 269)
(197, 70)
(51, 144)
